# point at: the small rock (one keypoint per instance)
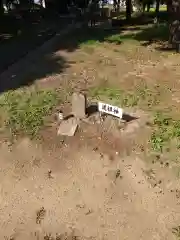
(101, 155)
(166, 164)
(80, 205)
(68, 127)
(40, 214)
(141, 148)
(50, 174)
(60, 116)
(89, 212)
(126, 195)
(111, 157)
(118, 173)
(113, 175)
(160, 181)
(95, 149)
(148, 124)
(62, 141)
(177, 193)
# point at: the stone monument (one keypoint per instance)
(79, 105)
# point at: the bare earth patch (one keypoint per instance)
(111, 180)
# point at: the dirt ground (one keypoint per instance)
(99, 184)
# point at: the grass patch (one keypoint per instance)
(25, 111)
(141, 96)
(94, 37)
(90, 42)
(117, 39)
(149, 33)
(161, 9)
(165, 131)
(152, 32)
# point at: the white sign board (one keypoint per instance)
(109, 109)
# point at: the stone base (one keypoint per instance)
(68, 127)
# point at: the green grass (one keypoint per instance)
(142, 96)
(117, 39)
(165, 129)
(89, 46)
(25, 111)
(151, 32)
(87, 39)
(89, 42)
(160, 32)
(161, 9)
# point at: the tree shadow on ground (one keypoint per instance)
(21, 33)
(148, 35)
(48, 62)
(143, 29)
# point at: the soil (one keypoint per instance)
(87, 185)
(97, 184)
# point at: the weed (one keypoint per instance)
(165, 130)
(176, 232)
(60, 237)
(48, 237)
(90, 42)
(177, 171)
(157, 141)
(130, 100)
(122, 97)
(118, 174)
(150, 173)
(40, 214)
(111, 93)
(88, 46)
(24, 111)
(9, 238)
(177, 193)
(49, 174)
(114, 39)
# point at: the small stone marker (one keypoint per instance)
(68, 127)
(109, 109)
(79, 105)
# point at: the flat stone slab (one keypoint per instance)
(68, 127)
